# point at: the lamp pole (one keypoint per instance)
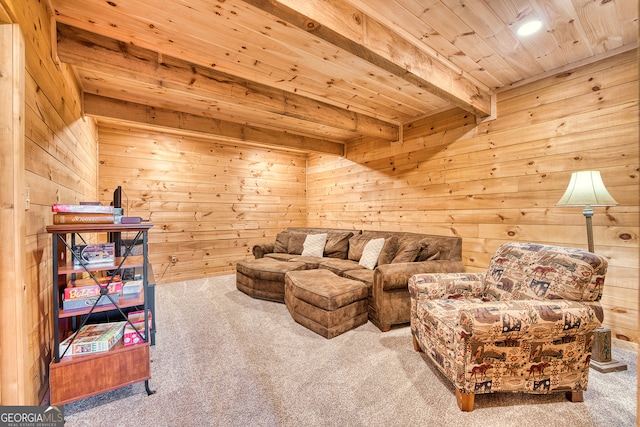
(588, 213)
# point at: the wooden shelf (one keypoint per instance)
(123, 302)
(131, 262)
(97, 228)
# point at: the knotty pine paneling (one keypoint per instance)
(499, 181)
(210, 202)
(60, 166)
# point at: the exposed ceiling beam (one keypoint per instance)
(349, 29)
(125, 61)
(130, 112)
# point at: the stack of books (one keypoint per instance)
(88, 213)
(92, 339)
(85, 293)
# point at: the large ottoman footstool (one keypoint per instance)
(325, 302)
(264, 277)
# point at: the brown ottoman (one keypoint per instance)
(264, 277)
(325, 302)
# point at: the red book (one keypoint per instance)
(81, 292)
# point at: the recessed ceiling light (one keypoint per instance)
(529, 28)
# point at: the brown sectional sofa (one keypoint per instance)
(403, 255)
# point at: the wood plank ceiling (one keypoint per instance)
(314, 74)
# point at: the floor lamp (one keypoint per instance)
(587, 189)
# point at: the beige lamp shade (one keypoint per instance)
(586, 189)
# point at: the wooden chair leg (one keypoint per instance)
(465, 401)
(575, 396)
(416, 344)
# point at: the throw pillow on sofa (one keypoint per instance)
(356, 246)
(388, 250)
(407, 251)
(314, 245)
(337, 244)
(296, 243)
(429, 251)
(371, 252)
(281, 245)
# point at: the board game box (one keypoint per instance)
(131, 336)
(94, 254)
(79, 292)
(93, 339)
(76, 304)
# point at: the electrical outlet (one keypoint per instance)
(174, 259)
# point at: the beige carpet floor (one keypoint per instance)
(224, 359)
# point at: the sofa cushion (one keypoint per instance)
(313, 245)
(296, 243)
(339, 266)
(311, 262)
(337, 244)
(450, 247)
(356, 246)
(281, 257)
(364, 275)
(408, 249)
(388, 250)
(282, 242)
(429, 250)
(370, 253)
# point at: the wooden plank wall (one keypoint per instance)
(209, 201)
(12, 282)
(499, 181)
(60, 166)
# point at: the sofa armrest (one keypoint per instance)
(396, 276)
(446, 285)
(516, 319)
(262, 248)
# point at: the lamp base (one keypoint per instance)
(601, 353)
(606, 367)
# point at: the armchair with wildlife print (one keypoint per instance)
(525, 325)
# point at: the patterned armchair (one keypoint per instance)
(526, 325)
